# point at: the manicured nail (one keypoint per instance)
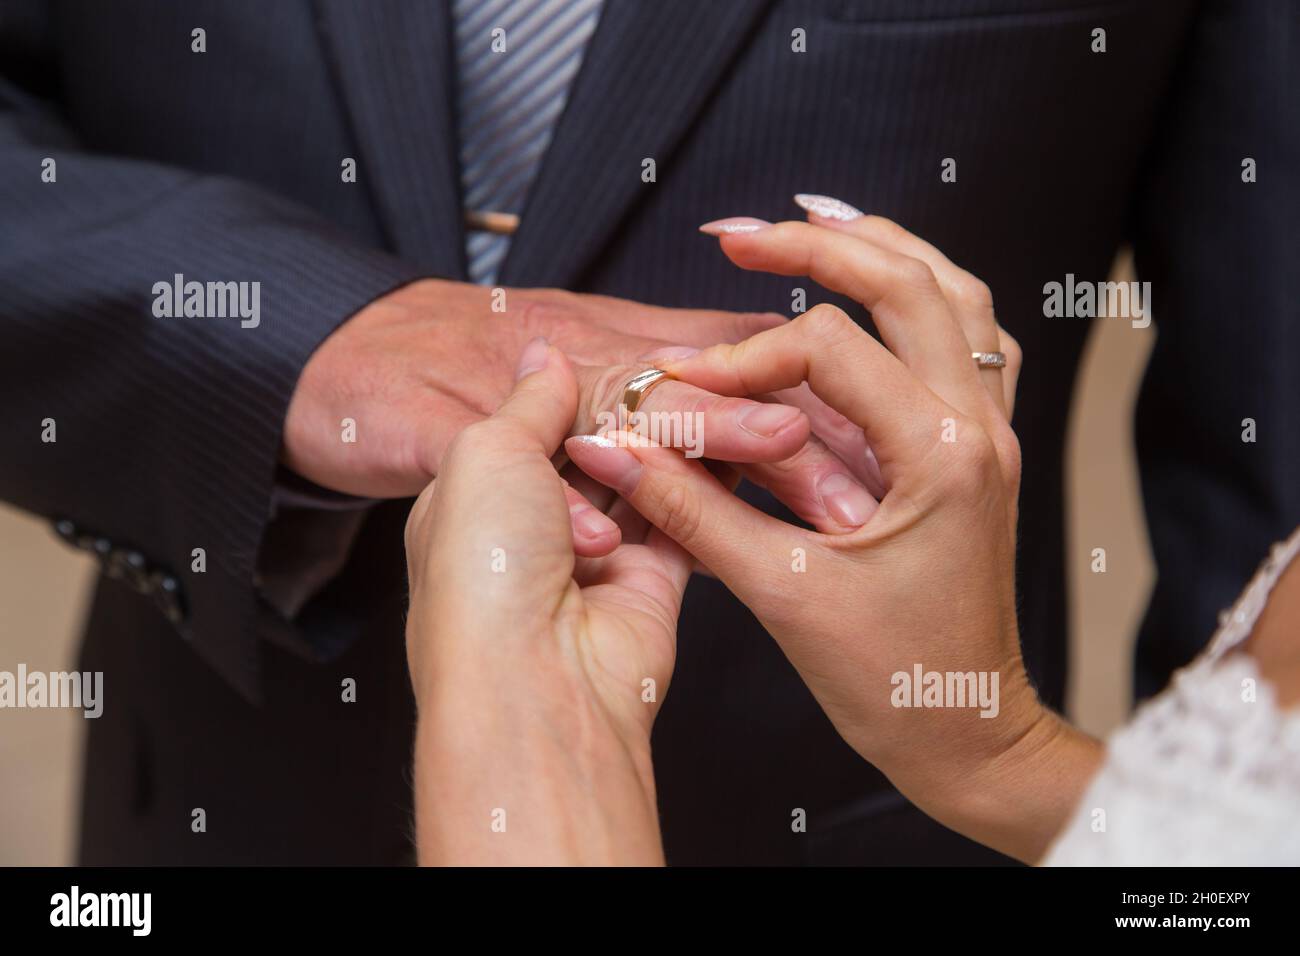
(845, 500)
(736, 225)
(669, 353)
(590, 523)
(533, 358)
(828, 207)
(606, 461)
(766, 420)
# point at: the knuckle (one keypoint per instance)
(983, 466)
(679, 512)
(471, 444)
(532, 315)
(824, 323)
(974, 293)
(606, 390)
(916, 274)
(543, 310)
(980, 451)
(972, 458)
(1007, 447)
(883, 228)
(674, 397)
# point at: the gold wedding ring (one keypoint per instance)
(635, 391)
(990, 359)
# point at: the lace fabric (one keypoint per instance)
(1207, 772)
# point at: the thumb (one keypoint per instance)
(498, 497)
(534, 419)
(540, 410)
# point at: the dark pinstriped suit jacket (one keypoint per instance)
(225, 166)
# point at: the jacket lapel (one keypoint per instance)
(394, 66)
(647, 71)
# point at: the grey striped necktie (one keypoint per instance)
(508, 101)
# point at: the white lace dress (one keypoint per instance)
(1208, 772)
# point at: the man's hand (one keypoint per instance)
(416, 366)
(384, 395)
(927, 583)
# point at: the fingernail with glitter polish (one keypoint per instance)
(606, 461)
(827, 207)
(735, 226)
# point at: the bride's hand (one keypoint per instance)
(926, 584)
(537, 675)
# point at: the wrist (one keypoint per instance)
(512, 771)
(1018, 798)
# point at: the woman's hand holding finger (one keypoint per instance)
(925, 586)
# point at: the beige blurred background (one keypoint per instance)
(44, 588)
